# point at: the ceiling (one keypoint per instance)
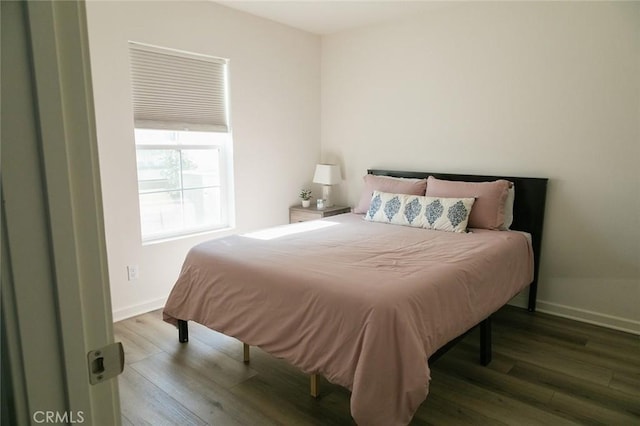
(331, 16)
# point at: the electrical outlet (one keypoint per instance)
(132, 272)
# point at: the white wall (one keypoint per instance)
(275, 117)
(525, 89)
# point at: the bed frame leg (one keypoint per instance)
(533, 290)
(485, 341)
(183, 331)
(246, 355)
(314, 383)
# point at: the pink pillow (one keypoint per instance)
(488, 209)
(388, 184)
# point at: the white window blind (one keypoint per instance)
(176, 90)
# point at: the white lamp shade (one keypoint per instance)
(327, 174)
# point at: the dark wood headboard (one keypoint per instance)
(528, 208)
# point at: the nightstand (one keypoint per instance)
(302, 214)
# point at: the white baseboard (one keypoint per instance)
(143, 308)
(582, 315)
(596, 318)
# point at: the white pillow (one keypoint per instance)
(443, 214)
(447, 214)
(398, 209)
(508, 208)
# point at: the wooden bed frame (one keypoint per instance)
(528, 216)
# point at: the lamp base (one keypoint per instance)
(326, 195)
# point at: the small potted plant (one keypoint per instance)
(305, 196)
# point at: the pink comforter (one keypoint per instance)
(364, 304)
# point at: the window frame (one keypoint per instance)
(225, 188)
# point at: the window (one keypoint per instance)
(181, 181)
(183, 143)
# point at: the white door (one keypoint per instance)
(55, 291)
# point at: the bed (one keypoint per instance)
(365, 304)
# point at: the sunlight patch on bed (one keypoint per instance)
(294, 228)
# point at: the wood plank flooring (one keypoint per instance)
(545, 370)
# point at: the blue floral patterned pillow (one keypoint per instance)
(447, 214)
(399, 209)
(443, 214)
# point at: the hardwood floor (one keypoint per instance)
(545, 370)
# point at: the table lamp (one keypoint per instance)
(327, 175)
